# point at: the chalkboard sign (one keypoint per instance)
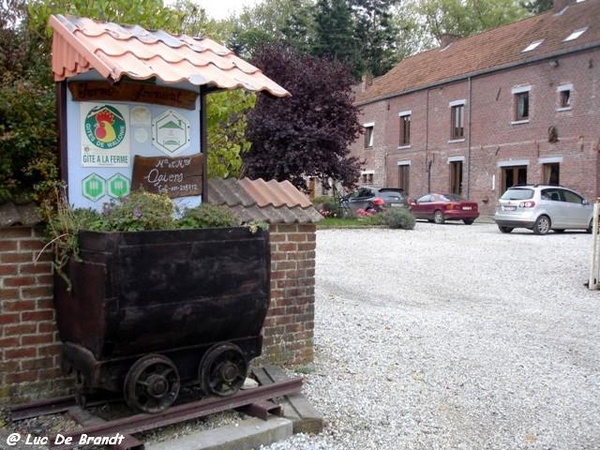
(177, 177)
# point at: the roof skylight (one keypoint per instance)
(532, 46)
(575, 34)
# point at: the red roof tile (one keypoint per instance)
(492, 50)
(81, 44)
(272, 201)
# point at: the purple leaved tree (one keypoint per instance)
(309, 133)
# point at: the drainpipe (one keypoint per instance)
(427, 164)
(470, 88)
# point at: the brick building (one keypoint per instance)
(516, 104)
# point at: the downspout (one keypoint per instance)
(470, 88)
(427, 164)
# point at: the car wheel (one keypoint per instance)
(542, 225)
(438, 217)
(590, 228)
(504, 229)
(468, 221)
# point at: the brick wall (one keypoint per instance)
(29, 342)
(288, 333)
(494, 139)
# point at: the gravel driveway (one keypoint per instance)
(454, 337)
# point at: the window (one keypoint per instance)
(575, 34)
(513, 175)
(532, 46)
(404, 128)
(521, 103)
(522, 106)
(456, 176)
(564, 96)
(368, 135)
(367, 177)
(551, 173)
(457, 114)
(565, 99)
(403, 176)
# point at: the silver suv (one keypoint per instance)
(543, 208)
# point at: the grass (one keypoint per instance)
(338, 222)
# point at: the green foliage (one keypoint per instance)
(27, 136)
(209, 216)
(466, 17)
(138, 211)
(226, 126)
(399, 218)
(306, 134)
(329, 207)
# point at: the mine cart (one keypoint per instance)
(147, 312)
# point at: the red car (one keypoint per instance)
(441, 207)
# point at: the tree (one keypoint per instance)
(309, 133)
(377, 33)
(537, 6)
(335, 34)
(463, 18)
(226, 127)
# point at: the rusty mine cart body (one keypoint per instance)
(150, 311)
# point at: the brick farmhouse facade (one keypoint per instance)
(514, 105)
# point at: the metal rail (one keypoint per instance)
(48, 406)
(143, 422)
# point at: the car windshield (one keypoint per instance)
(517, 194)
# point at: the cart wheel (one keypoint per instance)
(222, 370)
(152, 384)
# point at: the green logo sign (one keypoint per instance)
(94, 187)
(105, 127)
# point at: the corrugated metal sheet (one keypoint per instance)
(272, 201)
(115, 51)
(492, 49)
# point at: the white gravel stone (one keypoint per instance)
(454, 337)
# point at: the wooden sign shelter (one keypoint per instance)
(132, 108)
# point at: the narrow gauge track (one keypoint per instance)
(252, 398)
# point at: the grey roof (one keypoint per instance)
(13, 214)
(257, 200)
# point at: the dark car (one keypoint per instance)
(441, 207)
(377, 199)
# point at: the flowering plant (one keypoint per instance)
(369, 212)
(139, 211)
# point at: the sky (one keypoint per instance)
(220, 9)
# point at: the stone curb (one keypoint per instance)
(247, 435)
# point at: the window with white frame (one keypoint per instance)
(404, 140)
(366, 177)
(521, 103)
(369, 134)
(457, 119)
(564, 96)
(575, 34)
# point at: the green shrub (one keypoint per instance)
(209, 216)
(139, 211)
(399, 218)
